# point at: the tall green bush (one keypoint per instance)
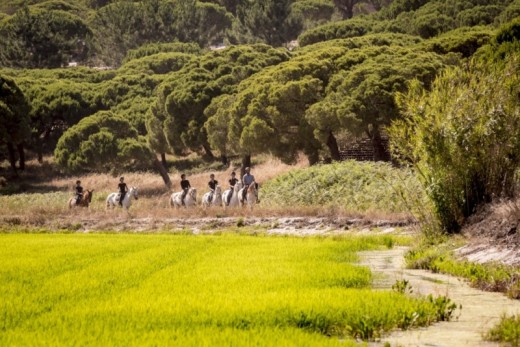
(463, 136)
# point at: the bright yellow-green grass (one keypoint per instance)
(187, 290)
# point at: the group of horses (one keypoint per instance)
(232, 197)
(111, 202)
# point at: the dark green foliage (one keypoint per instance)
(184, 96)
(465, 41)
(268, 21)
(158, 21)
(435, 17)
(43, 38)
(14, 121)
(509, 33)
(346, 7)
(159, 64)
(14, 113)
(60, 5)
(336, 30)
(509, 13)
(463, 137)
(360, 98)
(400, 6)
(312, 12)
(478, 15)
(56, 105)
(154, 48)
(101, 142)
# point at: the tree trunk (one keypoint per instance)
(163, 161)
(21, 155)
(246, 162)
(207, 149)
(39, 150)
(313, 157)
(377, 145)
(332, 143)
(12, 157)
(224, 160)
(162, 171)
(346, 7)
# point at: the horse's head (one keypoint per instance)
(238, 186)
(88, 195)
(218, 190)
(133, 192)
(252, 188)
(193, 193)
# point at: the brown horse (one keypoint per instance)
(84, 202)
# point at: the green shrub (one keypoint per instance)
(508, 330)
(463, 137)
(354, 186)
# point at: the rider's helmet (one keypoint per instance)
(247, 169)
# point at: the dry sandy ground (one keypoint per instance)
(300, 226)
(493, 234)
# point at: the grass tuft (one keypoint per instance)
(507, 330)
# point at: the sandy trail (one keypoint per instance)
(480, 310)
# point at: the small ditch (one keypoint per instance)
(480, 310)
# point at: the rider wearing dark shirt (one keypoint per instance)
(185, 186)
(212, 184)
(123, 188)
(79, 192)
(232, 181)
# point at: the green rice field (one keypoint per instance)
(188, 290)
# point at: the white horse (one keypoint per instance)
(215, 201)
(251, 195)
(113, 199)
(189, 200)
(233, 200)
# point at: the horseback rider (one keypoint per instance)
(232, 181)
(212, 184)
(123, 188)
(247, 180)
(185, 186)
(79, 192)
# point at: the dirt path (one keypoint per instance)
(480, 310)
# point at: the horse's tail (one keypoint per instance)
(171, 201)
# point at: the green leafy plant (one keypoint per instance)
(507, 330)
